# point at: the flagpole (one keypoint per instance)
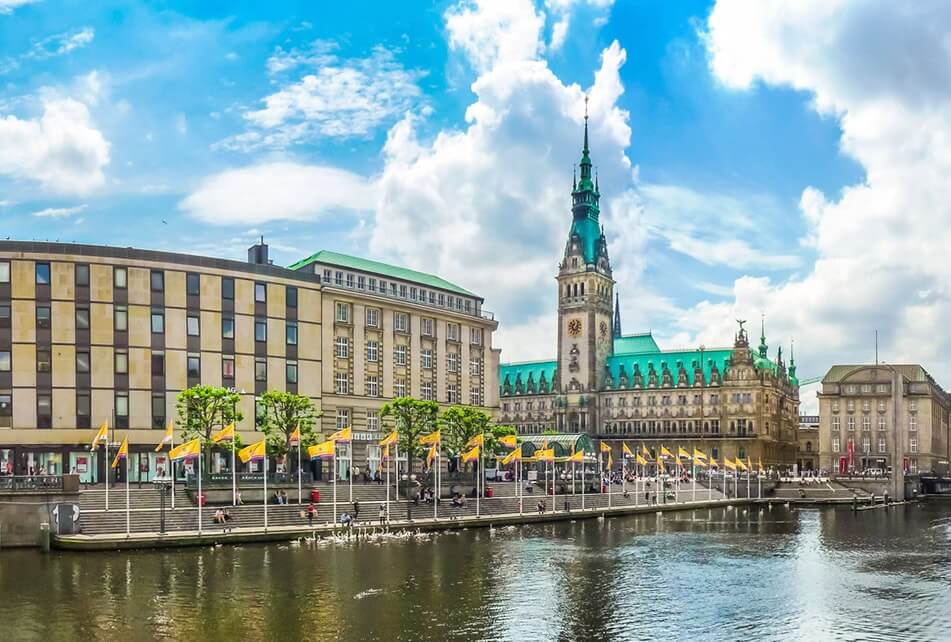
(623, 472)
(350, 467)
(107, 467)
(127, 513)
(518, 482)
(234, 476)
(333, 465)
(582, 481)
(479, 487)
(199, 490)
(388, 464)
(436, 483)
(609, 482)
(747, 482)
(265, 487)
(693, 476)
(396, 452)
(300, 492)
(172, 465)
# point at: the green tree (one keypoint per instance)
(281, 413)
(204, 409)
(492, 444)
(413, 418)
(459, 424)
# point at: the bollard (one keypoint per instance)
(45, 537)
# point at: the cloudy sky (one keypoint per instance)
(755, 158)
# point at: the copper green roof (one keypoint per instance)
(326, 257)
(673, 360)
(527, 377)
(589, 231)
(562, 443)
(635, 344)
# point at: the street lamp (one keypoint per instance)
(164, 486)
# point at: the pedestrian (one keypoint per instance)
(311, 511)
(540, 506)
(356, 509)
(567, 506)
(382, 514)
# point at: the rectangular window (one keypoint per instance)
(82, 362)
(835, 444)
(42, 273)
(913, 445)
(475, 336)
(328, 276)
(5, 361)
(399, 355)
(227, 327)
(194, 366)
(452, 362)
(372, 286)
(192, 284)
(881, 445)
(290, 333)
(83, 404)
(373, 421)
(912, 404)
(412, 293)
(121, 318)
(120, 278)
(290, 297)
(452, 331)
(373, 317)
(227, 367)
(850, 405)
(4, 271)
(866, 423)
(382, 286)
(361, 282)
(341, 383)
(402, 291)
(157, 281)
(373, 351)
(4, 316)
(851, 424)
(6, 405)
(260, 413)
(338, 278)
(432, 298)
(866, 445)
(122, 362)
(343, 418)
(122, 404)
(260, 293)
(193, 327)
(43, 316)
(427, 358)
(373, 386)
(399, 387)
(342, 347)
(866, 405)
(343, 312)
(426, 390)
(82, 318)
(158, 364)
(260, 330)
(475, 396)
(835, 405)
(400, 322)
(44, 406)
(227, 288)
(452, 393)
(426, 327)
(43, 362)
(82, 275)
(835, 423)
(158, 411)
(913, 423)
(881, 405)
(881, 423)
(260, 369)
(291, 372)
(349, 280)
(158, 322)
(442, 299)
(475, 368)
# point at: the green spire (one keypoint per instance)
(585, 202)
(762, 337)
(792, 359)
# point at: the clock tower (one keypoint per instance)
(585, 293)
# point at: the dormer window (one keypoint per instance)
(574, 261)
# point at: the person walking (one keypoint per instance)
(382, 514)
(356, 510)
(311, 511)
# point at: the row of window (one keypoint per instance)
(866, 445)
(867, 405)
(372, 388)
(120, 280)
(427, 325)
(867, 423)
(739, 427)
(867, 388)
(400, 352)
(399, 290)
(682, 400)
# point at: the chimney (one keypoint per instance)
(257, 253)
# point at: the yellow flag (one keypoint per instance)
(122, 453)
(187, 450)
(547, 454)
(509, 441)
(645, 452)
(101, 435)
(323, 450)
(665, 453)
(739, 464)
(344, 435)
(577, 457)
(749, 464)
(626, 450)
(729, 463)
(225, 434)
(761, 469)
(605, 448)
(713, 462)
(390, 439)
(167, 437)
(431, 455)
(699, 454)
(610, 461)
(640, 460)
(660, 465)
(430, 439)
(472, 455)
(515, 455)
(294, 439)
(478, 440)
(682, 453)
(255, 452)
(699, 461)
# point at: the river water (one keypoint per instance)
(759, 574)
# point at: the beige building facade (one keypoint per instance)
(93, 334)
(891, 418)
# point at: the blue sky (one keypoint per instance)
(442, 136)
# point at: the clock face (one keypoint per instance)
(574, 327)
(604, 328)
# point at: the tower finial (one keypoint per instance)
(763, 352)
(585, 123)
(617, 315)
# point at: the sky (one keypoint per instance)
(757, 159)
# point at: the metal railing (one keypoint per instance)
(221, 480)
(17, 483)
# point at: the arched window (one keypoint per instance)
(582, 289)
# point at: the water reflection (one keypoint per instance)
(775, 573)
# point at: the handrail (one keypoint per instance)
(30, 482)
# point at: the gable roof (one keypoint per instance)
(635, 344)
(672, 359)
(327, 257)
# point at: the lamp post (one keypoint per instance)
(164, 486)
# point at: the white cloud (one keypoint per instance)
(7, 6)
(59, 212)
(61, 149)
(61, 43)
(277, 191)
(489, 32)
(883, 71)
(339, 98)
